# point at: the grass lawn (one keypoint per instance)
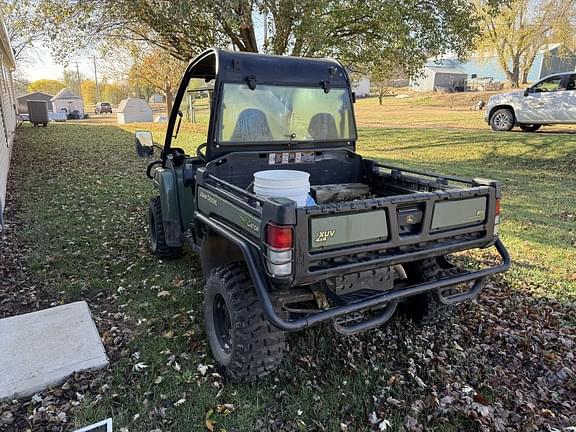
(83, 195)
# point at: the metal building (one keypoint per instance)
(440, 78)
(22, 101)
(7, 110)
(550, 59)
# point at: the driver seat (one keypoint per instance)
(251, 125)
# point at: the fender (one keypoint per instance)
(169, 202)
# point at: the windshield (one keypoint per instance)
(284, 113)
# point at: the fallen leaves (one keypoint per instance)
(507, 363)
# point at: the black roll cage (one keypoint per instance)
(252, 68)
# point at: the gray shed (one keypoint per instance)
(67, 100)
(439, 78)
(22, 101)
(134, 110)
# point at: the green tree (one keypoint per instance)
(520, 29)
(46, 86)
(405, 31)
(21, 19)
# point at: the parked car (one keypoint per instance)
(103, 107)
(550, 101)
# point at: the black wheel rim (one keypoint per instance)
(222, 324)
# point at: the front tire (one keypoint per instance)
(530, 127)
(242, 340)
(158, 244)
(502, 120)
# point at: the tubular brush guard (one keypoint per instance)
(389, 298)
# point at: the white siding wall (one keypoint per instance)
(7, 112)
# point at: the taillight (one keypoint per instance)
(496, 216)
(279, 237)
(279, 240)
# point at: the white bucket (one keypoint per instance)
(291, 184)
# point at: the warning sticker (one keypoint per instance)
(290, 158)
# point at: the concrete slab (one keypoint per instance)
(43, 348)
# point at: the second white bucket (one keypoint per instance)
(291, 184)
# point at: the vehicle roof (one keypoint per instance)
(557, 74)
(235, 66)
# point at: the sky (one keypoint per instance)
(42, 65)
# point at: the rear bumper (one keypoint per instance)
(388, 299)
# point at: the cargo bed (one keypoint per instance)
(409, 215)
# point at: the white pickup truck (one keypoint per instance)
(550, 101)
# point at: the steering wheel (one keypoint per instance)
(199, 154)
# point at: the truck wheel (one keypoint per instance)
(530, 127)
(502, 120)
(156, 231)
(425, 309)
(242, 340)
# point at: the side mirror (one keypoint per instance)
(144, 143)
(527, 91)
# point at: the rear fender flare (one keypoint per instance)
(216, 250)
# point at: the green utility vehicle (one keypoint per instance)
(377, 237)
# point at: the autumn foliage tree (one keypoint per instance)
(158, 70)
(516, 34)
(46, 86)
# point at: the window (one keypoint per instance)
(284, 113)
(571, 85)
(549, 85)
(195, 113)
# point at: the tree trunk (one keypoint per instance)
(380, 95)
(525, 73)
(247, 33)
(168, 90)
(513, 75)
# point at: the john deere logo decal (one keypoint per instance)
(323, 236)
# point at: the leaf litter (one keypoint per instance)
(505, 363)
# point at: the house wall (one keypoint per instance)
(7, 111)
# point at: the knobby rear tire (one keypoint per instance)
(254, 347)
